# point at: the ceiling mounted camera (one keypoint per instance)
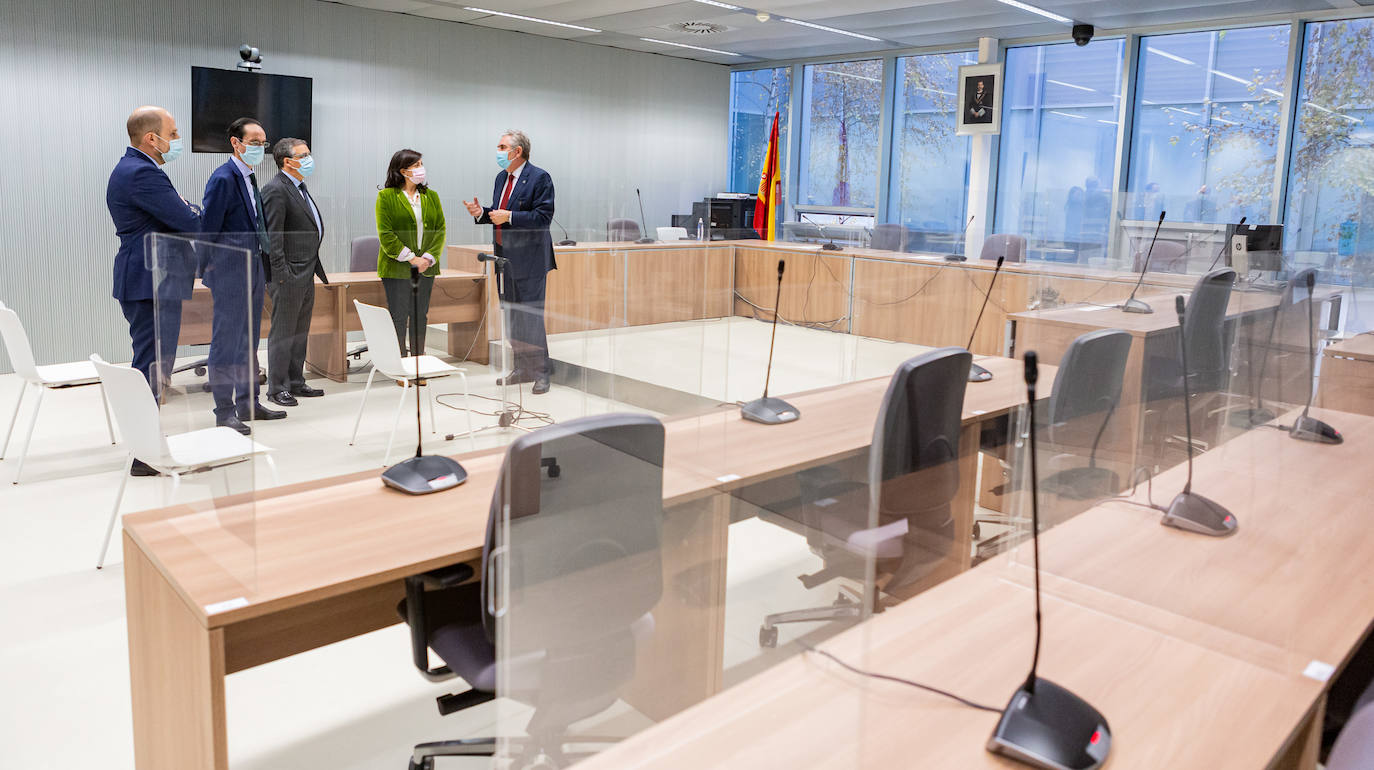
(252, 58)
(1082, 34)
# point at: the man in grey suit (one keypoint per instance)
(295, 230)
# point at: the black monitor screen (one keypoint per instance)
(281, 103)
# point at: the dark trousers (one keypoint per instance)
(153, 329)
(528, 337)
(292, 303)
(398, 303)
(235, 328)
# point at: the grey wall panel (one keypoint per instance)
(602, 121)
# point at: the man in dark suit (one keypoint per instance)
(142, 200)
(522, 211)
(294, 230)
(234, 218)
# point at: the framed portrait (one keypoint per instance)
(980, 99)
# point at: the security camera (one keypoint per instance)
(252, 58)
(1082, 34)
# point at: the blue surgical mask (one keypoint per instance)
(502, 159)
(252, 154)
(307, 166)
(173, 150)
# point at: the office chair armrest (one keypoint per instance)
(416, 586)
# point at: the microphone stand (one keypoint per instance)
(642, 221)
(828, 246)
(566, 240)
(1133, 305)
(1044, 724)
(977, 373)
(1306, 427)
(771, 411)
(961, 257)
(510, 415)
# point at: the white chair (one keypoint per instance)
(385, 350)
(41, 377)
(135, 410)
(672, 234)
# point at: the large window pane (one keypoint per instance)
(754, 97)
(1206, 125)
(842, 107)
(929, 186)
(1331, 181)
(1058, 147)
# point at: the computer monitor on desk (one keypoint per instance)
(1254, 248)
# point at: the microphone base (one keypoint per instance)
(1083, 483)
(646, 240)
(1311, 429)
(955, 258)
(567, 242)
(1250, 417)
(1134, 305)
(1051, 728)
(830, 247)
(425, 474)
(769, 411)
(1194, 513)
(977, 373)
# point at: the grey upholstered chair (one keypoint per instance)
(362, 258)
(1167, 257)
(1354, 747)
(619, 230)
(1013, 247)
(571, 570)
(889, 236)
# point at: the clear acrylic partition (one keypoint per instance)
(205, 375)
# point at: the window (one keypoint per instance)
(841, 112)
(1331, 172)
(1058, 147)
(1208, 106)
(754, 97)
(930, 165)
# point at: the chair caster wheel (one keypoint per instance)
(768, 637)
(200, 371)
(426, 764)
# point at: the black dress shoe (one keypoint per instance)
(283, 398)
(236, 424)
(305, 391)
(261, 412)
(516, 377)
(541, 384)
(140, 468)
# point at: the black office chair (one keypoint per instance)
(621, 230)
(575, 527)
(1013, 247)
(1354, 747)
(901, 517)
(889, 237)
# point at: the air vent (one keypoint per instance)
(697, 27)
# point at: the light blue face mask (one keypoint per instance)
(502, 159)
(307, 166)
(252, 154)
(173, 150)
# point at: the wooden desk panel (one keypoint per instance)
(815, 287)
(1347, 375)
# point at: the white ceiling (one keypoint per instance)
(899, 23)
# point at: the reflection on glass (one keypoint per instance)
(1058, 147)
(1207, 114)
(841, 110)
(754, 97)
(930, 163)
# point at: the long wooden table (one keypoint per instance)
(459, 300)
(1195, 649)
(216, 589)
(1347, 376)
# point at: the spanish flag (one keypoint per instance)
(770, 189)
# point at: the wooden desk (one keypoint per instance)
(1193, 647)
(458, 300)
(211, 592)
(1347, 375)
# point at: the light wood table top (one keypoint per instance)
(1143, 324)
(1359, 348)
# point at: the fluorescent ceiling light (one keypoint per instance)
(1041, 11)
(824, 28)
(1168, 55)
(528, 18)
(1068, 115)
(684, 45)
(1318, 106)
(852, 75)
(1108, 122)
(1275, 93)
(1180, 109)
(1070, 85)
(1224, 120)
(934, 91)
(1221, 74)
(726, 6)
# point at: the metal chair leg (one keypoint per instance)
(29, 438)
(14, 418)
(114, 514)
(396, 419)
(105, 409)
(359, 419)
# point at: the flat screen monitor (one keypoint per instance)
(281, 103)
(1254, 247)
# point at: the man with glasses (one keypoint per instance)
(294, 232)
(234, 218)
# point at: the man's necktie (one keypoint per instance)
(505, 201)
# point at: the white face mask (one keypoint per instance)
(417, 175)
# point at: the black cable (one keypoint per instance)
(899, 680)
(910, 296)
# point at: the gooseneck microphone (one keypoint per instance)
(977, 373)
(1225, 244)
(1189, 510)
(1307, 428)
(829, 245)
(566, 240)
(642, 221)
(1044, 724)
(421, 474)
(961, 257)
(1133, 305)
(771, 411)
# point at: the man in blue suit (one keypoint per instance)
(234, 217)
(520, 216)
(142, 200)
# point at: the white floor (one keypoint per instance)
(357, 704)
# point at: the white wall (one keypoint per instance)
(602, 121)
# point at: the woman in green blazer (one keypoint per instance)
(410, 225)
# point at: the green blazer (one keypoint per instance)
(396, 228)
